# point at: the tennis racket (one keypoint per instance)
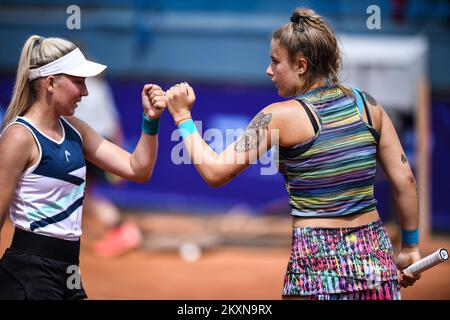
(439, 256)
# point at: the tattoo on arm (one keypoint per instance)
(370, 99)
(254, 133)
(404, 159)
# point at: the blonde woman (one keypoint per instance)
(42, 173)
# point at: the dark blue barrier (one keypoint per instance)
(180, 188)
(440, 165)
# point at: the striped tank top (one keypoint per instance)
(333, 173)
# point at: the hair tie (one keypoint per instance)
(299, 20)
(37, 42)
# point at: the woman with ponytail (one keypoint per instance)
(43, 170)
(329, 138)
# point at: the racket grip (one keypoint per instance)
(439, 256)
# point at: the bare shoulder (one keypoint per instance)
(369, 98)
(266, 120)
(283, 111)
(76, 122)
(375, 108)
(17, 135)
(81, 126)
(282, 106)
(17, 141)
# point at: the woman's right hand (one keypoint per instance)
(180, 100)
(153, 101)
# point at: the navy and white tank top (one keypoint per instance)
(48, 198)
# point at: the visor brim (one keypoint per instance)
(87, 69)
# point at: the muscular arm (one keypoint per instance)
(15, 145)
(218, 170)
(137, 166)
(396, 166)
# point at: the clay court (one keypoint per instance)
(242, 258)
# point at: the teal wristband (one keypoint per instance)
(187, 128)
(410, 236)
(149, 126)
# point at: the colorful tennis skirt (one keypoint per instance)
(342, 263)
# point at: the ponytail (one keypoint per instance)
(22, 96)
(36, 52)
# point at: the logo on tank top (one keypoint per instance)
(67, 153)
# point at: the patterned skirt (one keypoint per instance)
(342, 263)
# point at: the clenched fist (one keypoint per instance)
(153, 101)
(180, 100)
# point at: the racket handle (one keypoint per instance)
(441, 255)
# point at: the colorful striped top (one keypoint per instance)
(333, 173)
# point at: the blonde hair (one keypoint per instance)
(309, 34)
(36, 52)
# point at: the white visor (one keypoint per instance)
(74, 64)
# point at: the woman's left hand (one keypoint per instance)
(407, 256)
(180, 100)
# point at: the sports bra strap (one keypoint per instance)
(310, 116)
(360, 101)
